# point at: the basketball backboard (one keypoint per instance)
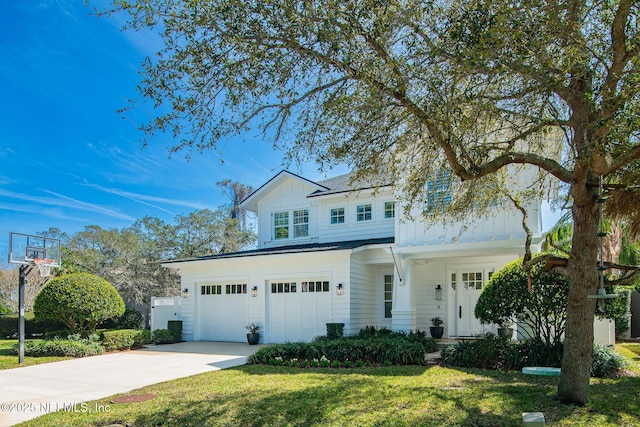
(29, 250)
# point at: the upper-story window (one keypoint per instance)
(291, 224)
(337, 216)
(301, 223)
(439, 191)
(364, 212)
(389, 209)
(281, 225)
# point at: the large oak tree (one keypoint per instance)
(477, 87)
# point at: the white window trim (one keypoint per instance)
(344, 216)
(393, 212)
(291, 227)
(364, 213)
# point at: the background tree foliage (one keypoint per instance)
(81, 301)
(481, 88)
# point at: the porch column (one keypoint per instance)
(403, 312)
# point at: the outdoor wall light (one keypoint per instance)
(185, 293)
(438, 292)
(254, 291)
(339, 289)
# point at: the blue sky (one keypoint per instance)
(68, 159)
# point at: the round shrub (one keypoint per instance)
(506, 298)
(80, 301)
(605, 362)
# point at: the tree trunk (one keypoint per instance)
(583, 280)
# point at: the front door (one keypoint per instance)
(468, 288)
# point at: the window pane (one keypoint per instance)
(301, 223)
(325, 286)
(387, 310)
(337, 216)
(390, 210)
(363, 212)
(294, 287)
(439, 191)
(281, 225)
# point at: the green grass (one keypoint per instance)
(8, 360)
(258, 395)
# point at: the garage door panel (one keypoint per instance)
(222, 316)
(298, 316)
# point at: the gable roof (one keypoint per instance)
(251, 201)
(291, 249)
(336, 185)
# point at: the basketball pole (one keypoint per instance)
(21, 287)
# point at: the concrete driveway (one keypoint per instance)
(29, 392)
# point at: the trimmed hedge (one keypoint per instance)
(162, 336)
(124, 339)
(130, 319)
(396, 351)
(68, 348)
(493, 352)
(33, 328)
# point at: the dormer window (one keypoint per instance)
(291, 223)
(301, 223)
(281, 225)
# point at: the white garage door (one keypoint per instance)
(298, 309)
(223, 312)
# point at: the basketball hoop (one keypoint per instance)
(44, 266)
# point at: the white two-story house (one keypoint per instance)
(331, 252)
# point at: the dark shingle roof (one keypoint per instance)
(291, 249)
(343, 184)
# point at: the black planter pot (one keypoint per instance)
(436, 331)
(253, 339)
(505, 332)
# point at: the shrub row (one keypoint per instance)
(130, 319)
(162, 336)
(420, 337)
(124, 339)
(393, 350)
(57, 347)
(33, 328)
(493, 352)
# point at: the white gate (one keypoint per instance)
(163, 310)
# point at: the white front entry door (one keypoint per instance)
(468, 288)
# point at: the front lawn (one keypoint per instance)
(259, 395)
(8, 360)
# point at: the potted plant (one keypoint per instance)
(253, 337)
(505, 328)
(437, 330)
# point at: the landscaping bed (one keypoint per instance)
(261, 395)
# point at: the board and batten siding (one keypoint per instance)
(503, 224)
(425, 279)
(287, 196)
